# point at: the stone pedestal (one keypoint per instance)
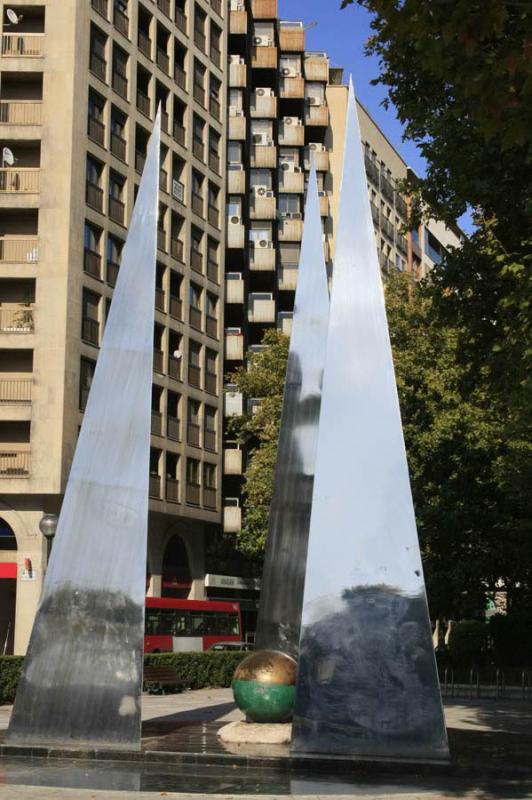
(256, 733)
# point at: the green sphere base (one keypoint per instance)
(264, 702)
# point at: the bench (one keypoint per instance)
(157, 677)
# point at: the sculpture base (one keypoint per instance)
(256, 733)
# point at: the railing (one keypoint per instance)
(143, 103)
(197, 203)
(156, 423)
(98, 66)
(400, 206)
(209, 497)
(179, 133)
(92, 263)
(387, 227)
(492, 683)
(163, 62)
(216, 6)
(20, 180)
(193, 494)
(372, 170)
(386, 188)
(212, 270)
(27, 45)
(193, 434)
(20, 112)
(155, 486)
(209, 440)
(121, 22)
(112, 272)
(180, 76)
(140, 161)
(100, 6)
(174, 368)
(216, 56)
(199, 94)
(195, 318)
(402, 244)
(214, 161)
(211, 382)
(211, 327)
(158, 358)
(198, 149)
(119, 83)
(90, 330)
(173, 428)
(94, 196)
(96, 131)
(214, 108)
(13, 391)
(176, 249)
(19, 251)
(172, 490)
(375, 213)
(213, 216)
(161, 239)
(118, 146)
(194, 376)
(159, 299)
(196, 260)
(116, 210)
(16, 320)
(13, 464)
(176, 307)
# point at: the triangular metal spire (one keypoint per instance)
(82, 677)
(367, 682)
(284, 568)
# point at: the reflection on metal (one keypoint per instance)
(284, 569)
(82, 676)
(367, 682)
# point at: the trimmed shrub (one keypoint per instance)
(196, 670)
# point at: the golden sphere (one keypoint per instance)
(264, 686)
(267, 666)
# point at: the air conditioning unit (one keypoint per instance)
(235, 166)
(291, 121)
(261, 41)
(287, 166)
(294, 215)
(262, 243)
(264, 92)
(318, 146)
(260, 191)
(235, 220)
(178, 191)
(322, 194)
(288, 72)
(261, 138)
(233, 331)
(314, 101)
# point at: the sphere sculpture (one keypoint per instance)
(264, 686)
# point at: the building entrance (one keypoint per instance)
(8, 587)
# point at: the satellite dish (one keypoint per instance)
(8, 157)
(13, 17)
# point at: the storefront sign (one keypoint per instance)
(231, 582)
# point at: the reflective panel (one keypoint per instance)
(284, 568)
(82, 675)
(367, 682)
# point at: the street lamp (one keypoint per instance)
(48, 527)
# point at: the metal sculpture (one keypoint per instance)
(82, 677)
(367, 681)
(284, 569)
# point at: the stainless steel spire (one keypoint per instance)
(82, 677)
(284, 569)
(367, 682)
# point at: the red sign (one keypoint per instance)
(8, 569)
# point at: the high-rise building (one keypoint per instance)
(244, 105)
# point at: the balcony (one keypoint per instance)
(211, 327)
(237, 75)
(233, 403)
(372, 171)
(158, 361)
(20, 180)
(235, 233)
(263, 105)
(291, 132)
(293, 88)
(236, 181)
(401, 206)
(232, 461)
(216, 56)
(387, 189)
(321, 158)
(120, 84)
(173, 428)
(143, 103)
(162, 60)
(20, 112)
(112, 272)
(92, 263)
(261, 307)
(23, 45)
(264, 9)
(198, 148)
(292, 38)
(324, 205)
(317, 115)
(172, 490)
(264, 57)
(180, 77)
(375, 214)
(233, 346)
(199, 94)
(291, 181)
(144, 43)
(288, 279)
(387, 228)
(117, 210)
(160, 302)
(96, 131)
(176, 307)
(263, 206)
(155, 486)
(262, 259)
(17, 319)
(179, 133)
(237, 127)
(19, 251)
(14, 461)
(284, 322)
(156, 423)
(212, 270)
(316, 67)
(181, 20)
(232, 519)
(264, 156)
(194, 376)
(290, 229)
(197, 204)
(193, 494)
(211, 383)
(402, 244)
(200, 40)
(234, 289)
(90, 331)
(196, 260)
(176, 249)
(209, 497)
(215, 108)
(174, 368)
(209, 440)
(15, 391)
(161, 239)
(195, 318)
(213, 216)
(238, 21)
(118, 146)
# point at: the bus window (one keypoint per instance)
(197, 627)
(181, 624)
(153, 619)
(233, 626)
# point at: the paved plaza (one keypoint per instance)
(491, 745)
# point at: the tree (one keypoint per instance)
(263, 378)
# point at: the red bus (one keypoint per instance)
(174, 625)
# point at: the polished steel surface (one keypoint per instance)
(284, 566)
(367, 681)
(267, 666)
(82, 677)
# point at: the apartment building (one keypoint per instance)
(80, 84)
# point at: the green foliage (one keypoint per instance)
(469, 644)
(10, 669)
(195, 670)
(511, 641)
(263, 378)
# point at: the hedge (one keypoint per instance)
(196, 670)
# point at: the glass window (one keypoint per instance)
(289, 204)
(194, 295)
(261, 177)
(234, 152)
(193, 472)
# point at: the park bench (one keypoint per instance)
(156, 678)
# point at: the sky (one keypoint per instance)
(342, 34)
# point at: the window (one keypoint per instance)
(94, 171)
(315, 91)
(209, 476)
(433, 247)
(194, 295)
(261, 177)
(236, 99)
(234, 153)
(90, 326)
(289, 254)
(289, 204)
(234, 206)
(86, 373)
(213, 196)
(196, 237)
(91, 238)
(260, 230)
(290, 66)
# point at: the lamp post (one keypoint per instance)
(48, 527)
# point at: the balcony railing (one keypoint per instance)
(199, 40)
(173, 428)
(176, 307)
(402, 244)
(14, 464)
(174, 368)
(92, 263)
(387, 188)
(156, 423)
(143, 103)
(375, 213)
(209, 440)
(387, 227)
(179, 133)
(155, 486)
(159, 299)
(161, 239)
(199, 94)
(121, 22)
(212, 270)
(213, 216)
(197, 204)
(214, 108)
(118, 146)
(180, 76)
(112, 272)
(20, 112)
(211, 327)
(172, 490)
(214, 161)
(96, 131)
(119, 83)
(216, 6)
(209, 497)
(19, 251)
(163, 62)
(98, 66)
(20, 180)
(400, 206)
(16, 320)
(140, 161)
(372, 171)
(195, 318)
(26, 45)
(176, 249)
(193, 494)
(193, 434)
(194, 376)
(211, 383)
(90, 330)
(15, 391)
(94, 196)
(158, 358)
(116, 210)
(196, 260)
